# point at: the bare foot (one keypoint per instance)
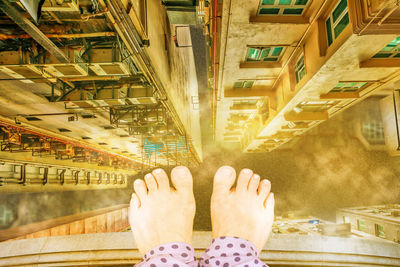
(159, 214)
(246, 211)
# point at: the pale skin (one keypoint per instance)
(161, 214)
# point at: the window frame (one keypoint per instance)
(344, 89)
(281, 8)
(270, 56)
(380, 231)
(334, 24)
(297, 68)
(243, 84)
(392, 54)
(320, 107)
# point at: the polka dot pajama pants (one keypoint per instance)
(223, 251)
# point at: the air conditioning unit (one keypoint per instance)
(108, 62)
(61, 5)
(141, 96)
(19, 66)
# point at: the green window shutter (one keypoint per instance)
(339, 10)
(277, 51)
(381, 230)
(268, 2)
(301, 2)
(265, 52)
(248, 84)
(382, 55)
(341, 25)
(269, 11)
(238, 85)
(271, 59)
(302, 73)
(293, 11)
(329, 31)
(253, 53)
(285, 2)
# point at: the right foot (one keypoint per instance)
(246, 211)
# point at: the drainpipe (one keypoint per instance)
(213, 107)
(300, 42)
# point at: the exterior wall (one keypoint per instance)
(343, 61)
(119, 249)
(175, 67)
(389, 110)
(391, 225)
(112, 219)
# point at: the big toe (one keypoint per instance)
(182, 179)
(224, 179)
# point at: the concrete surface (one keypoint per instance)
(119, 248)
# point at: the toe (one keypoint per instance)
(162, 179)
(243, 180)
(150, 182)
(270, 203)
(140, 188)
(224, 179)
(253, 184)
(135, 202)
(263, 189)
(182, 179)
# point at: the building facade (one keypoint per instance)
(283, 67)
(89, 85)
(382, 221)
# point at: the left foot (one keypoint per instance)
(160, 214)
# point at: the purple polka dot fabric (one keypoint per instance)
(231, 251)
(223, 251)
(170, 254)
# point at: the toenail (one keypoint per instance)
(148, 175)
(225, 171)
(158, 171)
(256, 177)
(180, 170)
(246, 171)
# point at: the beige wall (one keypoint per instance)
(341, 62)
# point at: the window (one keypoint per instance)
(337, 21)
(361, 225)
(282, 7)
(269, 53)
(372, 130)
(243, 84)
(6, 216)
(244, 102)
(379, 231)
(348, 87)
(392, 50)
(63, 130)
(299, 69)
(315, 106)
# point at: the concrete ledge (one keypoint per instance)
(119, 249)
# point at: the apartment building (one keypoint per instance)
(382, 221)
(94, 85)
(284, 66)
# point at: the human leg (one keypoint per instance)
(241, 218)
